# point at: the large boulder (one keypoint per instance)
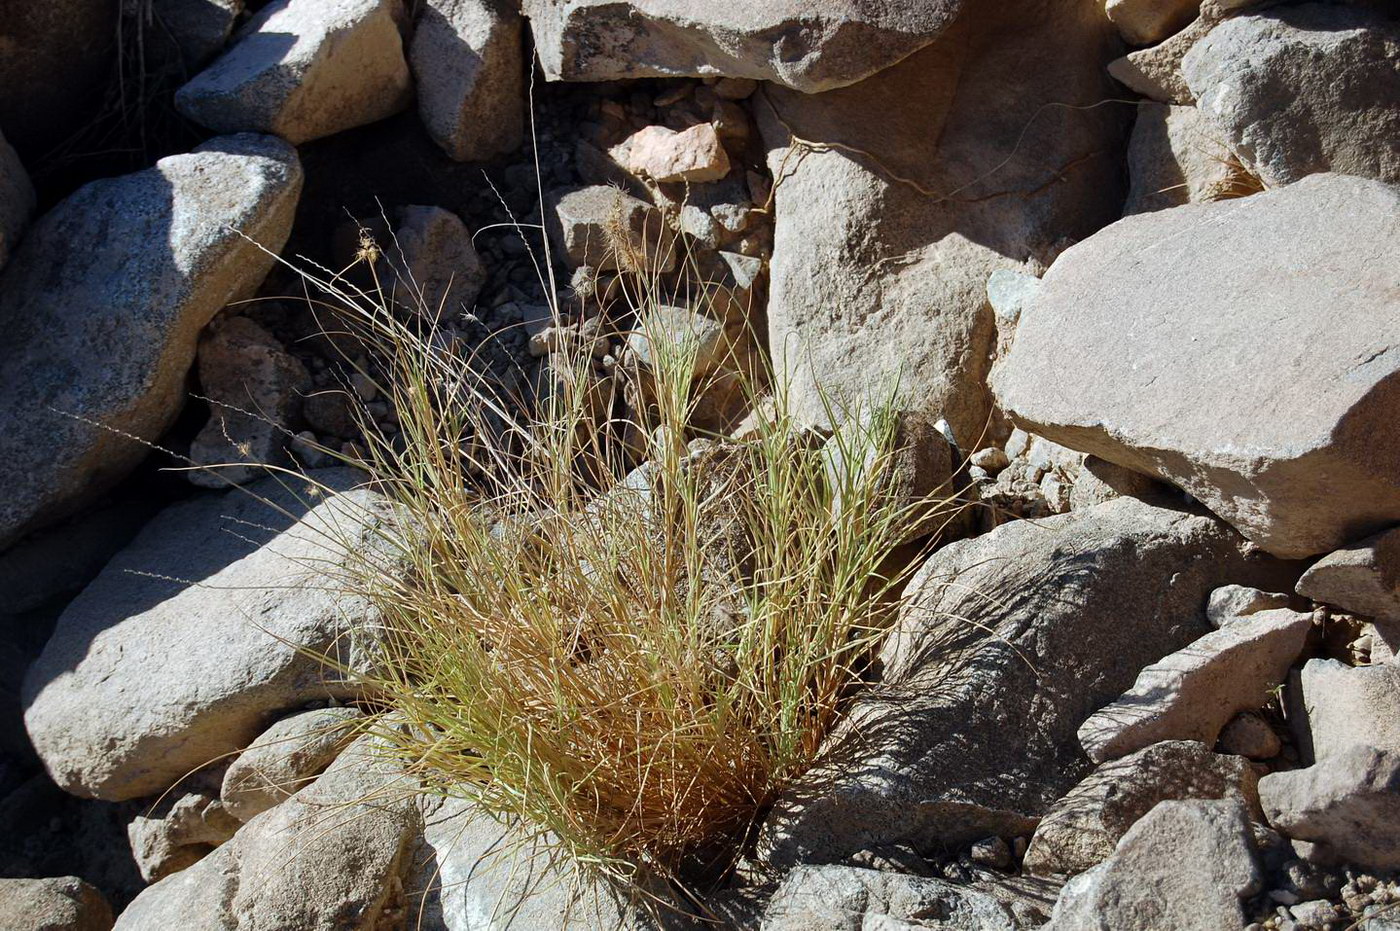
(1349, 802)
(1350, 705)
(63, 904)
(333, 857)
(16, 200)
(1144, 22)
(809, 46)
(1363, 578)
(1193, 693)
(210, 623)
(1188, 865)
(468, 62)
(1005, 644)
(1081, 830)
(1303, 89)
(102, 306)
(304, 69)
(845, 898)
(899, 196)
(1214, 370)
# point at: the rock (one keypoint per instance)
(991, 459)
(438, 272)
(1191, 327)
(254, 387)
(1229, 603)
(809, 47)
(147, 678)
(1348, 705)
(127, 269)
(284, 758)
(63, 904)
(1247, 734)
(895, 240)
(1027, 625)
(472, 872)
(198, 29)
(304, 69)
(1146, 22)
(470, 70)
(1082, 829)
(844, 898)
(55, 63)
(1303, 89)
(330, 858)
(663, 154)
(608, 229)
(16, 200)
(181, 831)
(1155, 72)
(665, 332)
(1176, 158)
(991, 851)
(1192, 693)
(1187, 865)
(1363, 578)
(1008, 292)
(1349, 801)
(918, 468)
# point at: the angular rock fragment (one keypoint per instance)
(810, 47)
(470, 71)
(63, 904)
(304, 69)
(1231, 602)
(607, 229)
(1143, 22)
(284, 758)
(1186, 865)
(197, 633)
(178, 833)
(1350, 705)
(694, 155)
(1213, 369)
(1349, 801)
(1194, 692)
(1363, 577)
(254, 388)
(1303, 89)
(1081, 830)
(845, 898)
(333, 857)
(128, 270)
(439, 273)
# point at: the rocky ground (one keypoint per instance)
(1139, 260)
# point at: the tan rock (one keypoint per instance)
(1194, 692)
(1175, 158)
(1144, 22)
(63, 904)
(284, 758)
(662, 154)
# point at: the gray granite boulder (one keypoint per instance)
(209, 624)
(1005, 644)
(102, 306)
(1348, 802)
(1303, 89)
(1214, 371)
(304, 69)
(846, 898)
(1363, 577)
(809, 46)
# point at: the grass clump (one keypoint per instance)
(636, 659)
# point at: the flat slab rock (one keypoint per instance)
(1193, 693)
(1006, 643)
(1213, 369)
(126, 271)
(808, 45)
(187, 643)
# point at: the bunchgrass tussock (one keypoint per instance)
(601, 623)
